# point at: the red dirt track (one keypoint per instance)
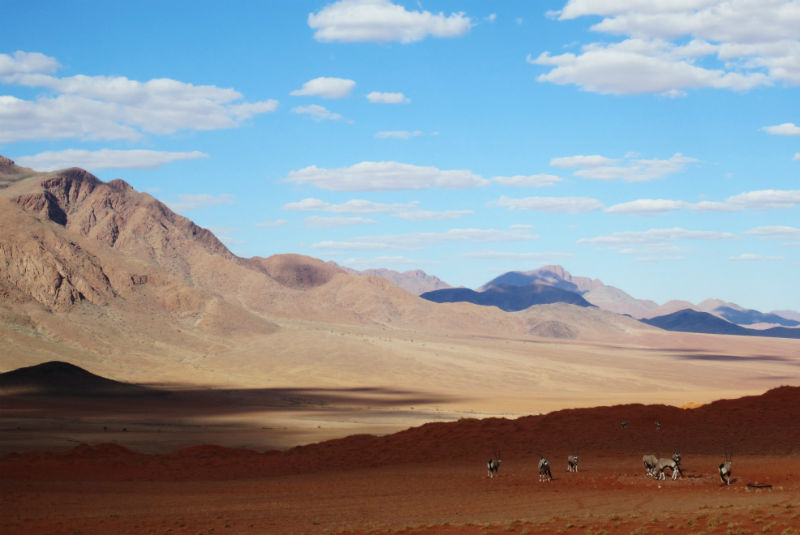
(432, 479)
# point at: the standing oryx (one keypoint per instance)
(494, 465)
(725, 470)
(572, 463)
(673, 464)
(544, 470)
(650, 462)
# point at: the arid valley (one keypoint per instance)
(400, 267)
(155, 382)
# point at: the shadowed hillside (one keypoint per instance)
(692, 321)
(754, 425)
(508, 298)
(64, 379)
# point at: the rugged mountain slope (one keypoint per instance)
(415, 281)
(552, 275)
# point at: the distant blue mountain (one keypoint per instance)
(749, 317)
(692, 321)
(508, 298)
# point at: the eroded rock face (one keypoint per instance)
(54, 272)
(115, 214)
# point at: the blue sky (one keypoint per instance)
(655, 146)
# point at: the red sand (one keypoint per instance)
(432, 479)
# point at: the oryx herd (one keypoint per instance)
(654, 467)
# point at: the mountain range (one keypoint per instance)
(518, 290)
(96, 272)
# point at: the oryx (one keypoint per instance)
(544, 470)
(673, 464)
(649, 462)
(493, 465)
(572, 463)
(725, 469)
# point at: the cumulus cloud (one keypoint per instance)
(529, 181)
(351, 21)
(749, 257)
(629, 168)
(317, 113)
(388, 98)
(654, 240)
(112, 107)
(384, 176)
(398, 134)
(432, 215)
(542, 257)
(646, 207)
(581, 161)
(750, 200)
(194, 201)
(325, 87)
(671, 47)
(776, 232)
(422, 239)
(104, 159)
(408, 211)
(354, 206)
(337, 221)
(785, 129)
(272, 224)
(382, 262)
(564, 205)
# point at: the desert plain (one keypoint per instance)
(154, 382)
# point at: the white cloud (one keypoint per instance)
(566, 205)
(491, 18)
(748, 257)
(581, 161)
(317, 112)
(634, 169)
(325, 87)
(785, 129)
(408, 211)
(398, 134)
(384, 176)
(646, 207)
(763, 200)
(21, 63)
(382, 262)
(337, 221)
(196, 201)
(353, 21)
(543, 257)
(680, 45)
(388, 98)
(796, 156)
(654, 240)
(112, 107)
(530, 181)
(272, 224)
(751, 200)
(776, 231)
(431, 215)
(354, 206)
(104, 159)
(422, 239)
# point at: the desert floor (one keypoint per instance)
(610, 494)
